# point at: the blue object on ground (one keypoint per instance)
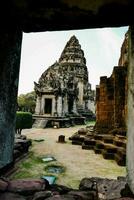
(48, 159)
(50, 179)
(55, 169)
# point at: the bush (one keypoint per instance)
(23, 121)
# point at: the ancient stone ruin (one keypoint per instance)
(108, 136)
(33, 16)
(111, 96)
(63, 89)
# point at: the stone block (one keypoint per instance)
(107, 155)
(11, 196)
(61, 139)
(27, 186)
(87, 147)
(42, 195)
(3, 185)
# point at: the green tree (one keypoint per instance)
(27, 102)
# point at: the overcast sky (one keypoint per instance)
(40, 50)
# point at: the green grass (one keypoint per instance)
(31, 167)
(34, 167)
(90, 123)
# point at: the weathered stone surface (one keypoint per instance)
(107, 188)
(42, 195)
(27, 187)
(41, 16)
(85, 195)
(11, 196)
(65, 197)
(126, 191)
(3, 185)
(89, 184)
(130, 135)
(61, 189)
(10, 49)
(25, 144)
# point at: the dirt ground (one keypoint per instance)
(78, 163)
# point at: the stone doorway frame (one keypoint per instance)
(20, 17)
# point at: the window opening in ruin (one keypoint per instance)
(48, 106)
(57, 105)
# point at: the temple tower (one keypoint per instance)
(63, 88)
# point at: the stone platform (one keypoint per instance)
(57, 122)
(112, 147)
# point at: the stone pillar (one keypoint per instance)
(74, 107)
(53, 106)
(65, 105)
(119, 96)
(104, 105)
(42, 105)
(10, 51)
(38, 105)
(80, 96)
(59, 106)
(130, 124)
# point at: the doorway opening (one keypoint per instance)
(48, 106)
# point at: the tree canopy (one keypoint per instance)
(27, 102)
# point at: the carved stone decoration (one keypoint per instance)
(66, 81)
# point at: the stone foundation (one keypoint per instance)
(89, 189)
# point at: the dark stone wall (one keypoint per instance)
(105, 105)
(120, 74)
(111, 101)
(33, 15)
(111, 96)
(10, 48)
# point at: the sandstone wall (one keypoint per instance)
(104, 104)
(111, 96)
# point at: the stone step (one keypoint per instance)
(97, 151)
(87, 147)
(110, 148)
(98, 137)
(108, 155)
(99, 144)
(108, 139)
(89, 141)
(40, 123)
(77, 142)
(120, 141)
(121, 161)
(121, 152)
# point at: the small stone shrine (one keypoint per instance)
(63, 89)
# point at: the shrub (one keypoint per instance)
(23, 121)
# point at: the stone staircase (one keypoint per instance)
(112, 147)
(40, 123)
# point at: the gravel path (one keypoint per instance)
(78, 163)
